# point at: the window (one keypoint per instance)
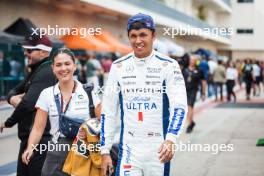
(245, 1)
(245, 31)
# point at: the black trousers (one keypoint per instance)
(36, 162)
(55, 159)
(230, 86)
(216, 85)
(248, 86)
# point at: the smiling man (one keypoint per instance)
(152, 101)
(24, 96)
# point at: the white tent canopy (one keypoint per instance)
(173, 48)
(168, 47)
(161, 47)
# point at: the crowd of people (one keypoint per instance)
(218, 77)
(220, 73)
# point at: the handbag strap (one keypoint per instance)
(60, 105)
(88, 89)
(57, 101)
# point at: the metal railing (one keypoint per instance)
(161, 8)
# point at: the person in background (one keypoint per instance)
(94, 70)
(239, 67)
(193, 76)
(106, 64)
(210, 83)
(6, 73)
(24, 97)
(1, 75)
(257, 77)
(15, 71)
(262, 74)
(81, 67)
(231, 78)
(204, 67)
(248, 76)
(219, 79)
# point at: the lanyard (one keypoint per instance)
(67, 105)
(60, 105)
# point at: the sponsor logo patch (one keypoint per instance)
(130, 69)
(80, 97)
(127, 77)
(153, 70)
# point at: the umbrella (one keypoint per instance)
(114, 42)
(23, 27)
(87, 43)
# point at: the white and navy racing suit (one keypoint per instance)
(151, 95)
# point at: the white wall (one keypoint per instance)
(184, 6)
(248, 15)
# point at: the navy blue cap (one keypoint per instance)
(145, 20)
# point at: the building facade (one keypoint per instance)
(232, 28)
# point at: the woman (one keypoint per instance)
(231, 77)
(192, 77)
(74, 102)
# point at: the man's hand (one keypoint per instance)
(27, 155)
(2, 126)
(106, 165)
(16, 99)
(166, 151)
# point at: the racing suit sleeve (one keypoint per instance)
(109, 111)
(176, 92)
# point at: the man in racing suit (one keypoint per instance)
(149, 89)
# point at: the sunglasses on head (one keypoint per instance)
(31, 50)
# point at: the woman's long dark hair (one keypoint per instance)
(63, 51)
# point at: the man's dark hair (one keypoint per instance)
(139, 25)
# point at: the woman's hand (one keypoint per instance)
(81, 133)
(98, 111)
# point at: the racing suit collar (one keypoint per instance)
(143, 60)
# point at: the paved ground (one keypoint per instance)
(9, 144)
(235, 126)
(239, 125)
